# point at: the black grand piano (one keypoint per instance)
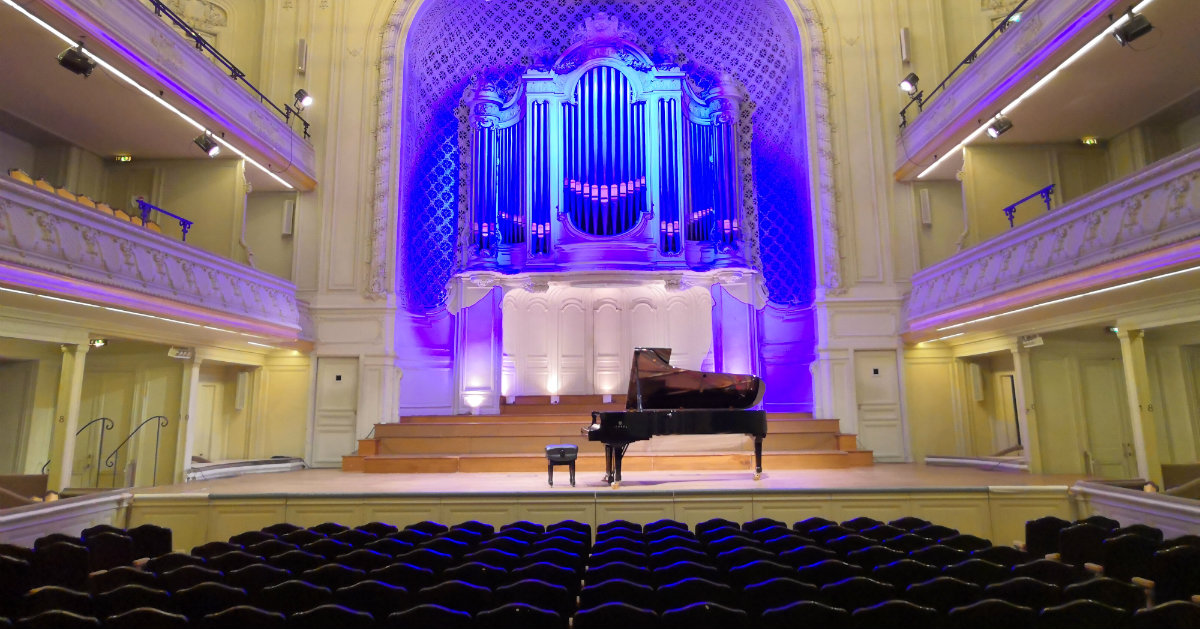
(664, 400)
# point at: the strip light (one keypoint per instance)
(155, 97)
(1071, 298)
(1032, 89)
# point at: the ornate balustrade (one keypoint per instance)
(48, 243)
(1140, 215)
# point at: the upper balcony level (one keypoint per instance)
(1058, 75)
(151, 94)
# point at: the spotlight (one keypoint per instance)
(98, 343)
(909, 84)
(303, 99)
(1133, 28)
(207, 144)
(998, 128)
(1089, 140)
(77, 61)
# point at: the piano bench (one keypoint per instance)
(561, 454)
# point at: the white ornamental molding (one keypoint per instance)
(44, 232)
(1151, 209)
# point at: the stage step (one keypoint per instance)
(594, 463)
(524, 443)
(569, 413)
(469, 426)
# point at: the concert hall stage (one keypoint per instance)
(992, 504)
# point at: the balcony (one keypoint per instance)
(50, 245)
(1144, 226)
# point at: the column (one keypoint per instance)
(187, 408)
(66, 421)
(1026, 409)
(1141, 407)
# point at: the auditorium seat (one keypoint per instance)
(881, 532)
(680, 570)
(966, 543)
(290, 597)
(271, 548)
(16, 552)
(333, 576)
(617, 570)
(201, 600)
(388, 546)
(806, 525)
(468, 538)
(1144, 530)
(1006, 556)
(806, 555)
(805, 614)
(758, 571)
(430, 617)
(281, 529)
(170, 561)
(451, 548)
(938, 555)
(133, 596)
(147, 618)
(828, 571)
(895, 614)
(374, 597)
(187, 576)
(1083, 543)
(856, 592)
(909, 523)
(1102, 521)
(1026, 592)
(411, 536)
(904, 573)
(978, 571)
(61, 563)
(1176, 573)
(550, 573)
(906, 543)
(617, 590)
(704, 615)
(943, 593)
(58, 619)
(692, 590)
(564, 543)
(105, 580)
(759, 524)
(847, 544)
(604, 528)
(824, 534)
(487, 575)
(1083, 614)
(627, 543)
(378, 529)
(935, 532)
(786, 542)
(1109, 591)
(537, 593)
(364, 559)
(992, 613)
(250, 538)
(213, 549)
(678, 553)
(759, 597)
(257, 576)
(612, 615)
(233, 560)
(525, 525)
(426, 558)
(572, 525)
(1128, 555)
(520, 615)
(869, 557)
(404, 575)
(328, 528)
(51, 597)
(354, 537)
(1056, 572)
(1169, 615)
(1041, 535)
(459, 595)
(243, 617)
(727, 560)
(302, 537)
(327, 548)
(330, 616)
(483, 529)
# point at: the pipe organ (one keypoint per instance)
(604, 160)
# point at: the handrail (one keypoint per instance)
(921, 99)
(184, 223)
(236, 74)
(114, 456)
(105, 427)
(1045, 193)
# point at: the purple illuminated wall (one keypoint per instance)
(756, 41)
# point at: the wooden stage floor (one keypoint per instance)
(882, 477)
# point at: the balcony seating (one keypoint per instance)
(658, 575)
(90, 204)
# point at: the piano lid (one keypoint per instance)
(655, 384)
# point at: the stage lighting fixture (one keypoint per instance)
(207, 144)
(909, 84)
(303, 99)
(1133, 28)
(998, 128)
(77, 61)
(98, 343)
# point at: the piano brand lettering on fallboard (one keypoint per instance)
(664, 400)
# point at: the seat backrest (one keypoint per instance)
(978, 571)
(1083, 613)
(1109, 591)
(1041, 535)
(897, 614)
(943, 593)
(609, 615)
(147, 618)
(243, 617)
(1026, 592)
(806, 555)
(856, 592)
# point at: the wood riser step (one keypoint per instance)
(510, 444)
(830, 459)
(547, 425)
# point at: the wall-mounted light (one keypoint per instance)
(1133, 28)
(999, 126)
(207, 144)
(98, 343)
(303, 99)
(77, 61)
(122, 158)
(908, 84)
(1089, 140)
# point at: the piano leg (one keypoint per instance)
(618, 456)
(608, 463)
(757, 458)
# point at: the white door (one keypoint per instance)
(208, 414)
(1105, 412)
(15, 380)
(1005, 434)
(105, 394)
(877, 389)
(336, 414)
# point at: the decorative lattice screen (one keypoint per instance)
(451, 40)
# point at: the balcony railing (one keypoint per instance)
(1150, 210)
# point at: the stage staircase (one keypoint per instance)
(514, 441)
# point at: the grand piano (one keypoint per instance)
(664, 400)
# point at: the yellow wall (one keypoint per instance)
(41, 419)
(264, 224)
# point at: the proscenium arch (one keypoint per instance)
(384, 278)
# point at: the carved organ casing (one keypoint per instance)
(604, 160)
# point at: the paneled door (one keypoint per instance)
(1106, 416)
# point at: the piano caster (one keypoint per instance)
(757, 475)
(615, 484)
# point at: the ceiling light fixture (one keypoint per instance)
(206, 144)
(77, 61)
(1134, 27)
(149, 94)
(908, 84)
(1034, 88)
(999, 126)
(1089, 140)
(98, 343)
(303, 99)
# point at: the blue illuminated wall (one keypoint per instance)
(757, 41)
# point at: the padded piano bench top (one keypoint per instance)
(562, 453)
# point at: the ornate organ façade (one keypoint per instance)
(606, 160)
